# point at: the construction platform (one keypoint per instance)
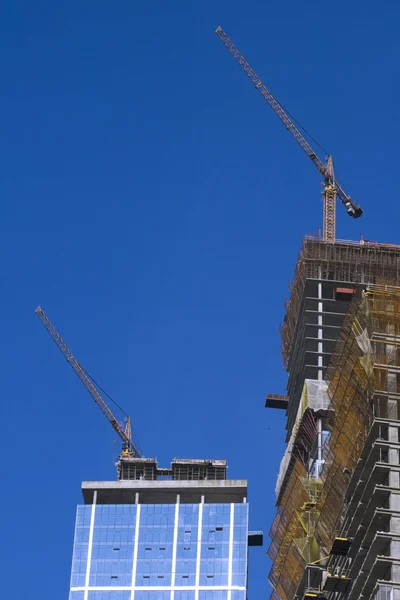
(181, 469)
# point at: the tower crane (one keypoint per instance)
(331, 186)
(128, 447)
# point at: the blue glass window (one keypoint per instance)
(184, 595)
(186, 549)
(213, 595)
(153, 595)
(76, 596)
(238, 594)
(108, 595)
(113, 547)
(113, 543)
(156, 536)
(81, 542)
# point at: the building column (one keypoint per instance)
(135, 550)
(230, 559)
(175, 545)
(394, 481)
(90, 546)
(320, 332)
(198, 555)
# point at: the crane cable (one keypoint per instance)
(104, 392)
(304, 129)
(284, 109)
(114, 402)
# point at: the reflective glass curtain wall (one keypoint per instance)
(160, 552)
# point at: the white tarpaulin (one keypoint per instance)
(314, 397)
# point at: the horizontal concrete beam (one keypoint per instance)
(165, 492)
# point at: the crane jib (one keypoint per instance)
(85, 379)
(352, 209)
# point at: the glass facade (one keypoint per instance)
(160, 552)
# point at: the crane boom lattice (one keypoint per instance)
(332, 187)
(124, 434)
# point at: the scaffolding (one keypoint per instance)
(344, 261)
(350, 381)
(314, 401)
(285, 528)
(364, 372)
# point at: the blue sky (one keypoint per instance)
(154, 206)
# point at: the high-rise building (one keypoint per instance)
(179, 533)
(336, 533)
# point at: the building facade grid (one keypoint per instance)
(160, 552)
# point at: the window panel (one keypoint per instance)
(156, 534)
(113, 544)
(238, 595)
(184, 595)
(215, 545)
(81, 542)
(108, 595)
(153, 595)
(76, 596)
(213, 595)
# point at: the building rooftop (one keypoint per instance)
(183, 469)
(165, 491)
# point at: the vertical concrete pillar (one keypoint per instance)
(393, 411)
(394, 478)
(395, 594)
(319, 424)
(395, 553)
(393, 435)
(320, 324)
(394, 504)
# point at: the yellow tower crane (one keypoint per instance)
(331, 186)
(128, 447)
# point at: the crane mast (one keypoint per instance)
(332, 187)
(124, 433)
(329, 222)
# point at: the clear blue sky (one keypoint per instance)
(154, 206)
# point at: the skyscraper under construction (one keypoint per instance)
(336, 533)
